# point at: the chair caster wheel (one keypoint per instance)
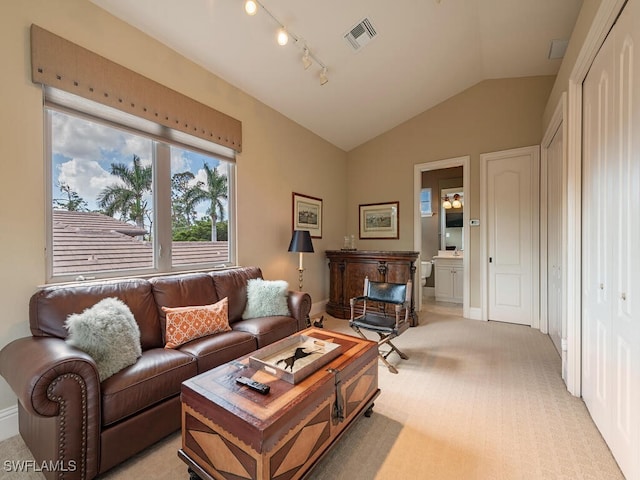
(368, 411)
(193, 475)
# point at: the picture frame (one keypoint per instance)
(307, 214)
(379, 220)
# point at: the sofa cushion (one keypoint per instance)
(108, 332)
(181, 290)
(233, 285)
(266, 298)
(268, 329)
(188, 323)
(157, 375)
(214, 350)
(50, 306)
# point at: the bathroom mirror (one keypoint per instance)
(451, 210)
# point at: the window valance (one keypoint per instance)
(61, 64)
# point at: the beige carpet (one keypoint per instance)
(475, 400)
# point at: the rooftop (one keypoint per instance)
(86, 242)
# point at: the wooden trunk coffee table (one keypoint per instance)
(232, 432)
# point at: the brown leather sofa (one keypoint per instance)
(83, 427)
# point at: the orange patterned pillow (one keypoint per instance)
(188, 323)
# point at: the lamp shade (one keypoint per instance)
(301, 241)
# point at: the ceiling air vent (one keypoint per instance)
(557, 49)
(361, 34)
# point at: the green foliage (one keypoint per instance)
(200, 231)
(182, 214)
(73, 202)
(214, 191)
(127, 198)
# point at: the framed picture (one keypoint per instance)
(379, 220)
(307, 214)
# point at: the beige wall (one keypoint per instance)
(491, 116)
(279, 156)
(580, 31)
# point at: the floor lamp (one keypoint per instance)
(301, 243)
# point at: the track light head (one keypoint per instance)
(282, 37)
(250, 7)
(306, 59)
(323, 76)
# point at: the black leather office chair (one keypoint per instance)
(385, 310)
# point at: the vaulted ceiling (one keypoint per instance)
(423, 52)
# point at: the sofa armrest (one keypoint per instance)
(300, 305)
(32, 366)
(56, 382)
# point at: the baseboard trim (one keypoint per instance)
(318, 308)
(8, 422)
(429, 291)
(475, 313)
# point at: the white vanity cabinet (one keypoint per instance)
(449, 279)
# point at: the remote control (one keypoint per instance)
(253, 385)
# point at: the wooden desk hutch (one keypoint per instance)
(348, 268)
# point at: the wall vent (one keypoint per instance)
(360, 34)
(557, 49)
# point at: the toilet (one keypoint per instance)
(425, 272)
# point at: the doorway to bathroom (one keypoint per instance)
(441, 234)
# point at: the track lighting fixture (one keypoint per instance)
(250, 7)
(323, 76)
(306, 59)
(283, 35)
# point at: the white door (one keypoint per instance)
(611, 231)
(554, 238)
(596, 248)
(511, 199)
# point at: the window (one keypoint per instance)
(425, 202)
(127, 203)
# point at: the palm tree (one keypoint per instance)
(213, 192)
(127, 198)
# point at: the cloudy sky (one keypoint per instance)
(83, 152)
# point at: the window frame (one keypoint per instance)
(422, 212)
(161, 199)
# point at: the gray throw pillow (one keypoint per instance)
(109, 333)
(266, 298)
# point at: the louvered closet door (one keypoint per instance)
(611, 240)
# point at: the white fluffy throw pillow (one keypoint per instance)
(108, 332)
(266, 298)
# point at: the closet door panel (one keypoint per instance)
(625, 359)
(597, 252)
(611, 237)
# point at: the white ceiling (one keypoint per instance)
(425, 52)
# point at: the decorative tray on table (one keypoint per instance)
(295, 358)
